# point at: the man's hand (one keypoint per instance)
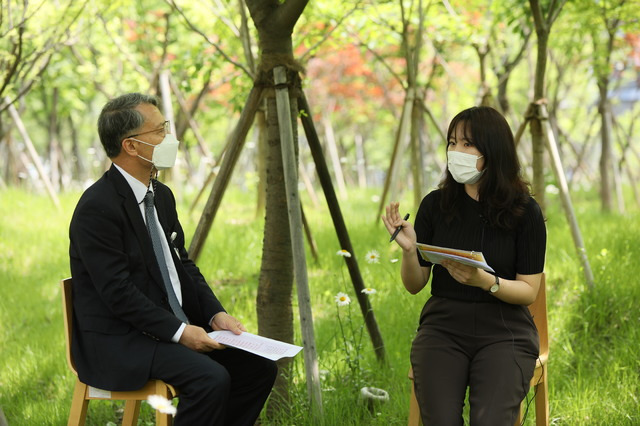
(196, 338)
(224, 321)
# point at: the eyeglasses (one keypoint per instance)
(166, 128)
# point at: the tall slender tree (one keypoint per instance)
(275, 22)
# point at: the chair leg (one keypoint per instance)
(163, 390)
(79, 405)
(414, 409)
(519, 418)
(163, 419)
(131, 412)
(542, 402)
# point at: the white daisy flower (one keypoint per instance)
(368, 290)
(162, 404)
(373, 256)
(342, 299)
(343, 253)
(393, 260)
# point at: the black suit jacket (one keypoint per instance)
(121, 310)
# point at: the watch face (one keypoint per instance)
(494, 288)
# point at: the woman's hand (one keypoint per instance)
(406, 238)
(467, 275)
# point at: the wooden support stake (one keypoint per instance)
(235, 144)
(552, 147)
(341, 229)
(32, 152)
(401, 136)
(297, 239)
(307, 232)
(335, 157)
(523, 125)
(202, 144)
(433, 121)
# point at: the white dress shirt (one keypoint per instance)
(139, 191)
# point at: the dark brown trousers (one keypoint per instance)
(491, 348)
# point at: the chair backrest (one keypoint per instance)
(538, 310)
(67, 315)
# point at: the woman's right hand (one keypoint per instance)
(406, 238)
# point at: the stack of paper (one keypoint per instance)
(263, 346)
(435, 254)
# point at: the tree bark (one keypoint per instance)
(274, 21)
(417, 165)
(275, 285)
(537, 135)
(261, 166)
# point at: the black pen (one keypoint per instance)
(397, 231)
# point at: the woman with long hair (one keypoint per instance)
(475, 331)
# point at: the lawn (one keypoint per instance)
(594, 365)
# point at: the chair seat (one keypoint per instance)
(83, 393)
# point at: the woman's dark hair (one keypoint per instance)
(119, 118)
(502, 191)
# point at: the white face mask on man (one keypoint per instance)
(164, 154)
(463, 167)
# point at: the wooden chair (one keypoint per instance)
(83, 393)
(539, 383)
(538, 310)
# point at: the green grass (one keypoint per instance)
(594, 365)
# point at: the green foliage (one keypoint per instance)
(595, 341)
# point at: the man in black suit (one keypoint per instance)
(127, 303)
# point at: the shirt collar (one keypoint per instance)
(138, 188)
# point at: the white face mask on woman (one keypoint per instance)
(463, 167)
(164, 154)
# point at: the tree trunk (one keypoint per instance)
(605, 139)
(537, 136)
(417, 166)
(274, 21)
(275, 314)
(261, 165)
(334, 155)
(361, 162)
(503, 98)
(54, 152)
(79, 169)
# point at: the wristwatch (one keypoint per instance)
(496, 286)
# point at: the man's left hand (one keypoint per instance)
(224, 321)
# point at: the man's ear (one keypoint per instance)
(129, 147)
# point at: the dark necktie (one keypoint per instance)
(157, 249)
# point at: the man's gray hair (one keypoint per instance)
(119, 118)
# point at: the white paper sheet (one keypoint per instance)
(263, 346)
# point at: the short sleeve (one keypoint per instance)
(424, 222)
(531, 240)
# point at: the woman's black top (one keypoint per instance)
(521, 250)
